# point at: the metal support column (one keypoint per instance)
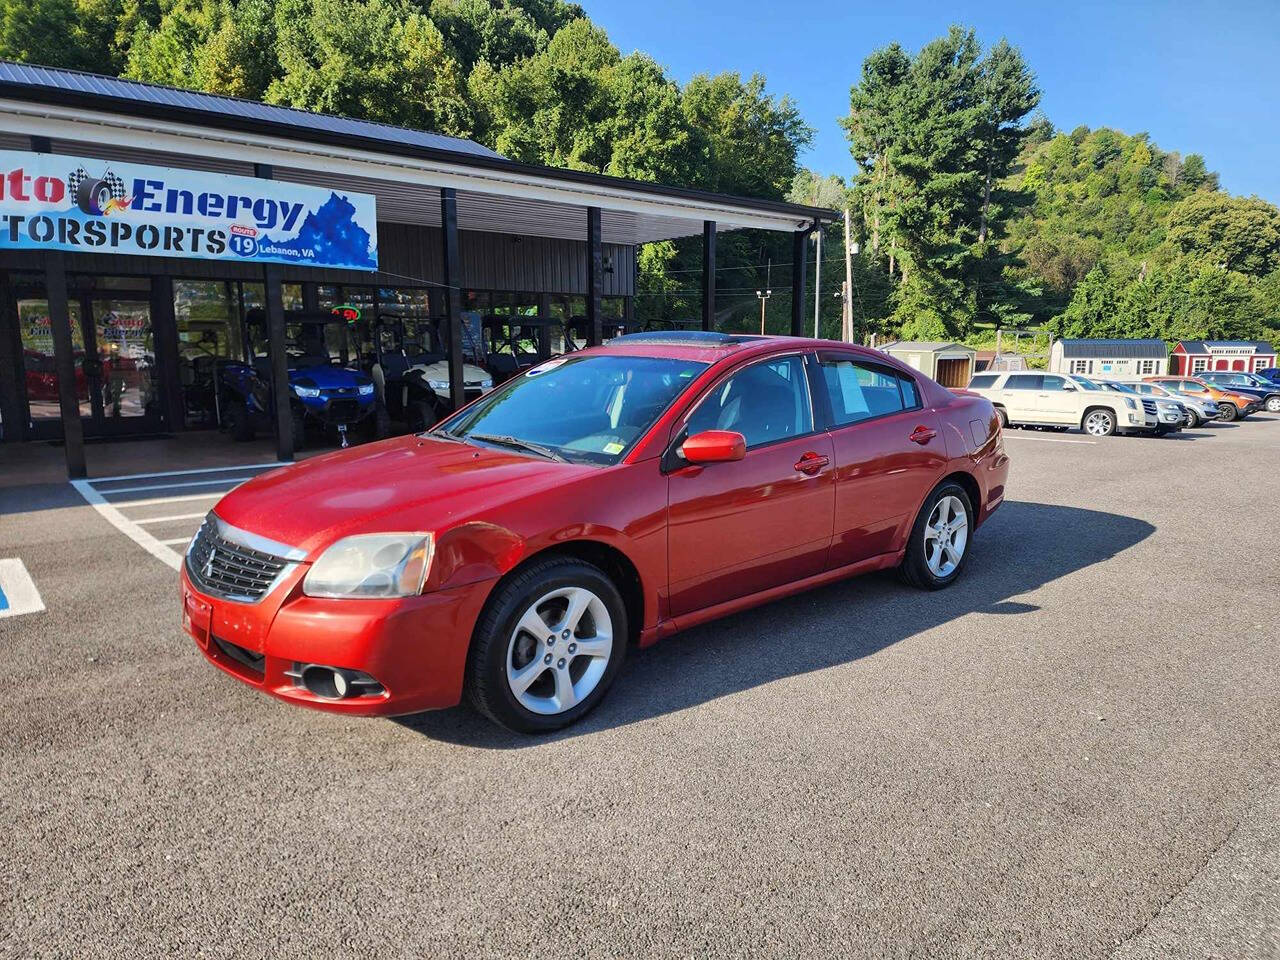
(799, 268)
(453, 293)
(708, 274)
(164, 324)
(283, 422)
(544, 330)
(13, 407)
(55, 280)
(273, 293)
(595, 277)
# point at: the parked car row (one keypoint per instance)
(1100, 407)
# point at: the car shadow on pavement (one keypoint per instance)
(1022, 547)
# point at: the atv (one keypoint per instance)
(327, 391)
(410, 370)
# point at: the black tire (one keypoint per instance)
(486, 680)
(1272, 404)
(1227, 412)
(237, 421)
(1004, 418)
(1193, 419)
(421, 415)
(1107, 421)
(298, 427)
(92, 196)
(914, 569)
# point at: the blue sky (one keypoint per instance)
(1199, 77)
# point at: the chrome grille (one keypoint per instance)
(223, 568)
(1149, 406)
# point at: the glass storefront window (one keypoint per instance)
(326, 296)
(126, 357)
(209, 331)
(40, 374)
(291, 294)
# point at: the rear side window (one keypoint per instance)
(860, 391)
(983, 380)
(1024, 381)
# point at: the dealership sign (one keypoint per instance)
(54, 202)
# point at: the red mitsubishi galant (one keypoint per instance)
(605, 498)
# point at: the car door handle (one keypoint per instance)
(811, 463)
(922, 435)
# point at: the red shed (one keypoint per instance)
(1196, 356)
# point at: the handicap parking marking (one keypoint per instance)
(104, 495)
(18, 593)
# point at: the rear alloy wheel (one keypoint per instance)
(548, 646)
(939, 540)
(1099, 423)
(1227, 412)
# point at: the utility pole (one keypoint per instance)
(847, 334)
(766, 293)
(817, 282)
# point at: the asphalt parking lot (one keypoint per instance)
(1074, 752)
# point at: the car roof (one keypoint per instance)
(710, 347)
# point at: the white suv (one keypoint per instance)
(1064, 400)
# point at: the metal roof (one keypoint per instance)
(1204, 346)
(30, 76)
(140, 120)
(926, 346)
(1115, 349)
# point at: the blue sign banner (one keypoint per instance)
(54, 202)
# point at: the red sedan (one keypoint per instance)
(602, 499)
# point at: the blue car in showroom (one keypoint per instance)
(328, 392)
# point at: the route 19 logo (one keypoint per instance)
(244, 240)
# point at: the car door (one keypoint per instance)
(737, 528)
(1057, 400)
(889, 453)
(1020, 396)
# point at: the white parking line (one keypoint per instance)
(163, 550)
(174, 486)
(1018, 436)
(171, 519)
(18, 593)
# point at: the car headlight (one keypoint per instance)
(486, 384)
(438, 384)
(372, 565)
(1130, 403)
(306, 391)
(365, 389)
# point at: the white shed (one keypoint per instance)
(1114, 359)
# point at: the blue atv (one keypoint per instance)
(327, 391)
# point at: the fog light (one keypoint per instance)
(334, 683)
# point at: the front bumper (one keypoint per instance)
(415, 647)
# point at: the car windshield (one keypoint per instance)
(1120, 387)
(587, 409)
(1087, 384)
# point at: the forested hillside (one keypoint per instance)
(970, 210)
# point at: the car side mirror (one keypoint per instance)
(1068, 386)
(714, 446)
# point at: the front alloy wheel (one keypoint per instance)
(548, 645)
(1100, 423)
(559, 650)
(1273, 404)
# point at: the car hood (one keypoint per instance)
(407, 483)
(327, 377)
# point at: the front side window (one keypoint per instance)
(766, 402)
(585, 409)
(1053, 383)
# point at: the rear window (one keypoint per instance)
(983, 380)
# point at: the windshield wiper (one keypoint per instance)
(443, 434)
(519, 444)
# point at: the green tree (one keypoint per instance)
(374, 59)
(1234, 233)
(78, 34)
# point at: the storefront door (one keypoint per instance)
(113, 345)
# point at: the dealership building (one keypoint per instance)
(139, 225)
